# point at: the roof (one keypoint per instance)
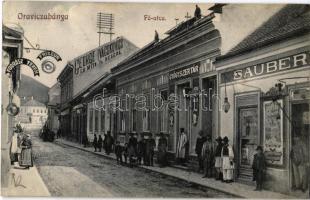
(291, 21)
(34, 102)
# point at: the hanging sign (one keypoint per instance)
(49, 53)
(22, 61)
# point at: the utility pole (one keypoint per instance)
(105, 24)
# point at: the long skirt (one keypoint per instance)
(26, 158)
(162, 158)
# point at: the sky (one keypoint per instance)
(78, 34)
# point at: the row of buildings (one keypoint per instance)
(256, 93)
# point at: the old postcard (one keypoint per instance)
(152, 100)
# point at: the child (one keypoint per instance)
(259, 168)
(118, 153)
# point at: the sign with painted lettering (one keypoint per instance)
(102, 54)
(184, 72)
(278, 65)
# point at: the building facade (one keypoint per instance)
(175, 69)
(265, 79)
(12, 48)
(33, 115)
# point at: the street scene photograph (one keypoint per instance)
(155, 100)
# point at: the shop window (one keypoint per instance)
(102, 120)
(90, 124)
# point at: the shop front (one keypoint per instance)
(269, 98)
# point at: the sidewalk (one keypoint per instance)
(237, 189)
(25, 183)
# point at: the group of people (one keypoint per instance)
(106, 143)
(218, 160)
(136, 151)
(21, 148)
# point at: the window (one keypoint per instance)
(146, 120)
(91, 119)
(164, 118)
(96, 120)
(122, 118)
(34, 110)
(134, 120)
(102, 120)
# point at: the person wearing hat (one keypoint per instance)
(162, 150)
(181, 148)
(132, 149)
(218, 159)
(108, 143)
(228, 161)
(259, 168)
(207, 153)
(141, 149)
(199, 143)
(95, 142)
(149, 150)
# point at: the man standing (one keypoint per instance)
(218, 159)
(208, 157)
(228, 161)
(199, 143)
(150, 146)
(95, 142)
(259, 167)
(132, 149)
(108, 143)
(181, 148)
(162, 150)
(99, 143)
(299, 160)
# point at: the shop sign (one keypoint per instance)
(185, 72)
(104, 54)
(273, 132)
(282, 64)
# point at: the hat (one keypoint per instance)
(219, 139)
(259, 148)
(182, 129)
(225, 139)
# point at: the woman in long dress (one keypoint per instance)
(26, 153)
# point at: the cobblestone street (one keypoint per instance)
(71, 172)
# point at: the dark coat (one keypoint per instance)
(118, 150)
(99, 142)
(259, 165)
(199, 144)
(95, 142)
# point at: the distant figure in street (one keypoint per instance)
(259, 168)
(125, 152)
(108, 143)
(207, 154)
(181, 147)
(132, 149)
(118, 152)
(85, 140)
(228, 161)
(99, 143)
(299, 156)
(141, 149)
(199, 143)
(218, 159)
(197, 12)
(95, 142)
(26, 153)
(162, 150)
(149, 150)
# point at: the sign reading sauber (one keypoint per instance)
(184, 72)
(282, 64)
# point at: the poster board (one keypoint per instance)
(273, 132)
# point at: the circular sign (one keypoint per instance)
(48, 66)
(12, 109)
